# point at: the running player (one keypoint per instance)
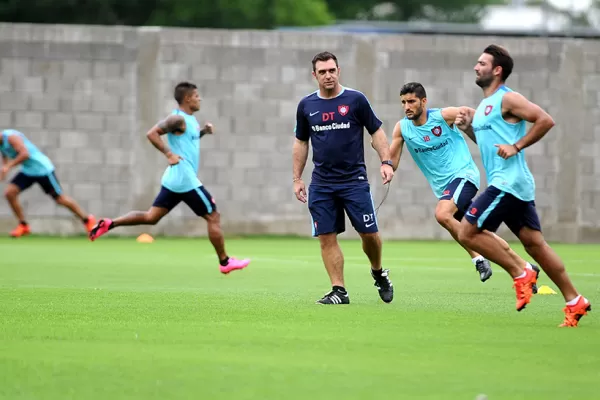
(333, 119)
(180, 179)
(499, 125)
(442, 154)
(35, 167)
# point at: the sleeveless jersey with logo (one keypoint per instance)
(38, 164)
(513, 175)
(183, 177)
(440, 152)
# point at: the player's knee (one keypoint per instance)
(443, 217)
(328, 240)
(213, 218)
(61, 200)
(533, 242)
(10, 193)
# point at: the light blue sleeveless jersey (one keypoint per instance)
(183, 177)
(440, 152)
(512, 175)
(38, 164)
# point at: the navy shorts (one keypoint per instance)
(461, 191)
(327, 205)
(49, 183)
(495, 206)
(198, 200)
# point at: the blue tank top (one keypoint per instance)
(38, 164)
(440, 152)
(490, 127)
(183, 177)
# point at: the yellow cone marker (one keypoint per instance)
(544, 289)
(145, 238)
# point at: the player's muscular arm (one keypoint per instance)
(172, 124)
(463, 120)
(397, 145)
(22, 154)
(380, 144)
(299, 155)
(517, 105)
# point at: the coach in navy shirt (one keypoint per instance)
(333, 119)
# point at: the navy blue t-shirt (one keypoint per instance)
(335, 127)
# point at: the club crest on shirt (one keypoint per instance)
(437, 131)
(343, 110)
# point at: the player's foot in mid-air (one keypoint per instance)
(384, 285)
(574, 313)
(336, 296)
(233, 264)
(91, 222)
(524, 288)
(484, 268)
(20, 230)
(100, 229)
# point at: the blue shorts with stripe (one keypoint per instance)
(49, 183)
(327, 205)
(461, 191)
(198, 200)
(495, 206)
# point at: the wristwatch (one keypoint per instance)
(388, 162)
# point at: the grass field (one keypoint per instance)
(116, 319)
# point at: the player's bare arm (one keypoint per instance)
(380, 144)
(174, 124)
(22, 154)
(397, 145)
(463, 121)
(450, 115)
(299, 156)
(516, 107)
(207, 130)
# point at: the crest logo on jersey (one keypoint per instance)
(488, 110)
(473, 211)
(446, 192)
(437, 131)
(343, 110)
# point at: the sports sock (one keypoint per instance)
(24, 223)
(340, 289)
(377, 272)
(574, 301)
(224, 261)
(478, 258)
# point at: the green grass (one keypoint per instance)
(120, 320)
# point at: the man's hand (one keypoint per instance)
(208, 128)
(3, 172)
(387, 173)
(173, 158)
(300, 190)
(463, 119)
(506, 151)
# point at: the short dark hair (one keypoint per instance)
(324, 56)
(183, 89)
(413, 87)
(501, 58)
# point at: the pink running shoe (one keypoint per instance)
(100, 229)
(234, 264)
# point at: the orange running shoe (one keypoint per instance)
(574, 313)
(524, 288)
(21, 230)
(90, 223)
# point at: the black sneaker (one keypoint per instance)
(484, 268)
(384, 285)
(334, 297)
(537, 275)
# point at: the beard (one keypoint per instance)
(484, 81)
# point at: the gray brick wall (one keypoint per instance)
(87, 95)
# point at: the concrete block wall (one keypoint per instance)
(87, 95)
